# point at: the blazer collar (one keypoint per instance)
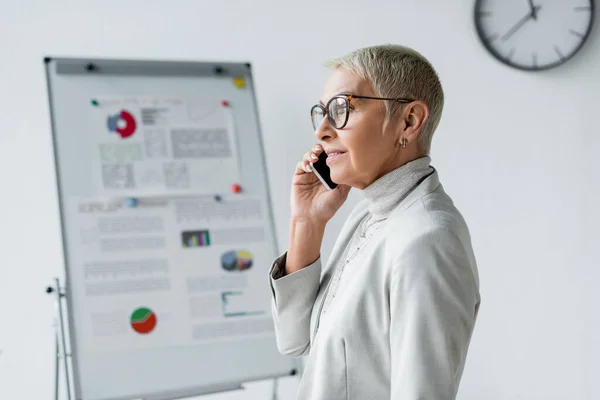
(386, 193)
(429, 184)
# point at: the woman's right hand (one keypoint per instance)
(312, 207)
(310, 200)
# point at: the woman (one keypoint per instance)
(392, 315)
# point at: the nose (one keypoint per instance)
(325, 132)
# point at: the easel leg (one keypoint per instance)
(60, 295)
(59, 327)
(275, 388)
(56, 366)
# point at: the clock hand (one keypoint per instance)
(520, 24)
(517, 26)
(533, 10)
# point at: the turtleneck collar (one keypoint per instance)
(387, 192)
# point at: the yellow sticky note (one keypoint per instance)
(239, 82)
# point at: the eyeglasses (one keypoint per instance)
(337, 109)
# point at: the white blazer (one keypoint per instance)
(402, 318)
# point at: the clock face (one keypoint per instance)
(533, 34)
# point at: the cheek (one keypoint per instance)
(365, 146)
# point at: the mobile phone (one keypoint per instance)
(321, 170)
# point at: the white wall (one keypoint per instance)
(516, 151)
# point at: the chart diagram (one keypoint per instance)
(237, 304)
(195, 238)
(143, 320)
(122, 123)
(236, 260)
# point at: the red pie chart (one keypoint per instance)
(122, 123)
(143, 320)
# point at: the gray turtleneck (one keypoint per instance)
(388, 191)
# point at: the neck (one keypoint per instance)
(390, 189)
(397, 160)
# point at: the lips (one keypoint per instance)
(333, 152)
(334, 155)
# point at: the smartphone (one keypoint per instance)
(321, 170)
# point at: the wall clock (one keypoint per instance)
(534, 35)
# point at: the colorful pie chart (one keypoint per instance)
(236, 260)
(143, 320)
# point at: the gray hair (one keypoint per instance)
(398, 72)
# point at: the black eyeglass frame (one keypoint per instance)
(347, 98)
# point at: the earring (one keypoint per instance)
(403, 143)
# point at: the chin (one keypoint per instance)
(338, 177)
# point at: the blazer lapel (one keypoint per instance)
(339, 247)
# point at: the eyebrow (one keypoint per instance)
(342, 93)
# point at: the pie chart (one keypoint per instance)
(122, 123)
(143, 320)
(236, 260)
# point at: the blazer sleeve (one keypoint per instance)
(292, 304)
(434, 300)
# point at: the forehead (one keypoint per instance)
(345, 81)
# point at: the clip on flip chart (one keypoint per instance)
(225, 103)
(132, 202)
(235, 188)
(239, 82)
(218, 198)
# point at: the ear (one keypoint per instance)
(414, 116)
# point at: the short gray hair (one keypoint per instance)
(398, 72)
